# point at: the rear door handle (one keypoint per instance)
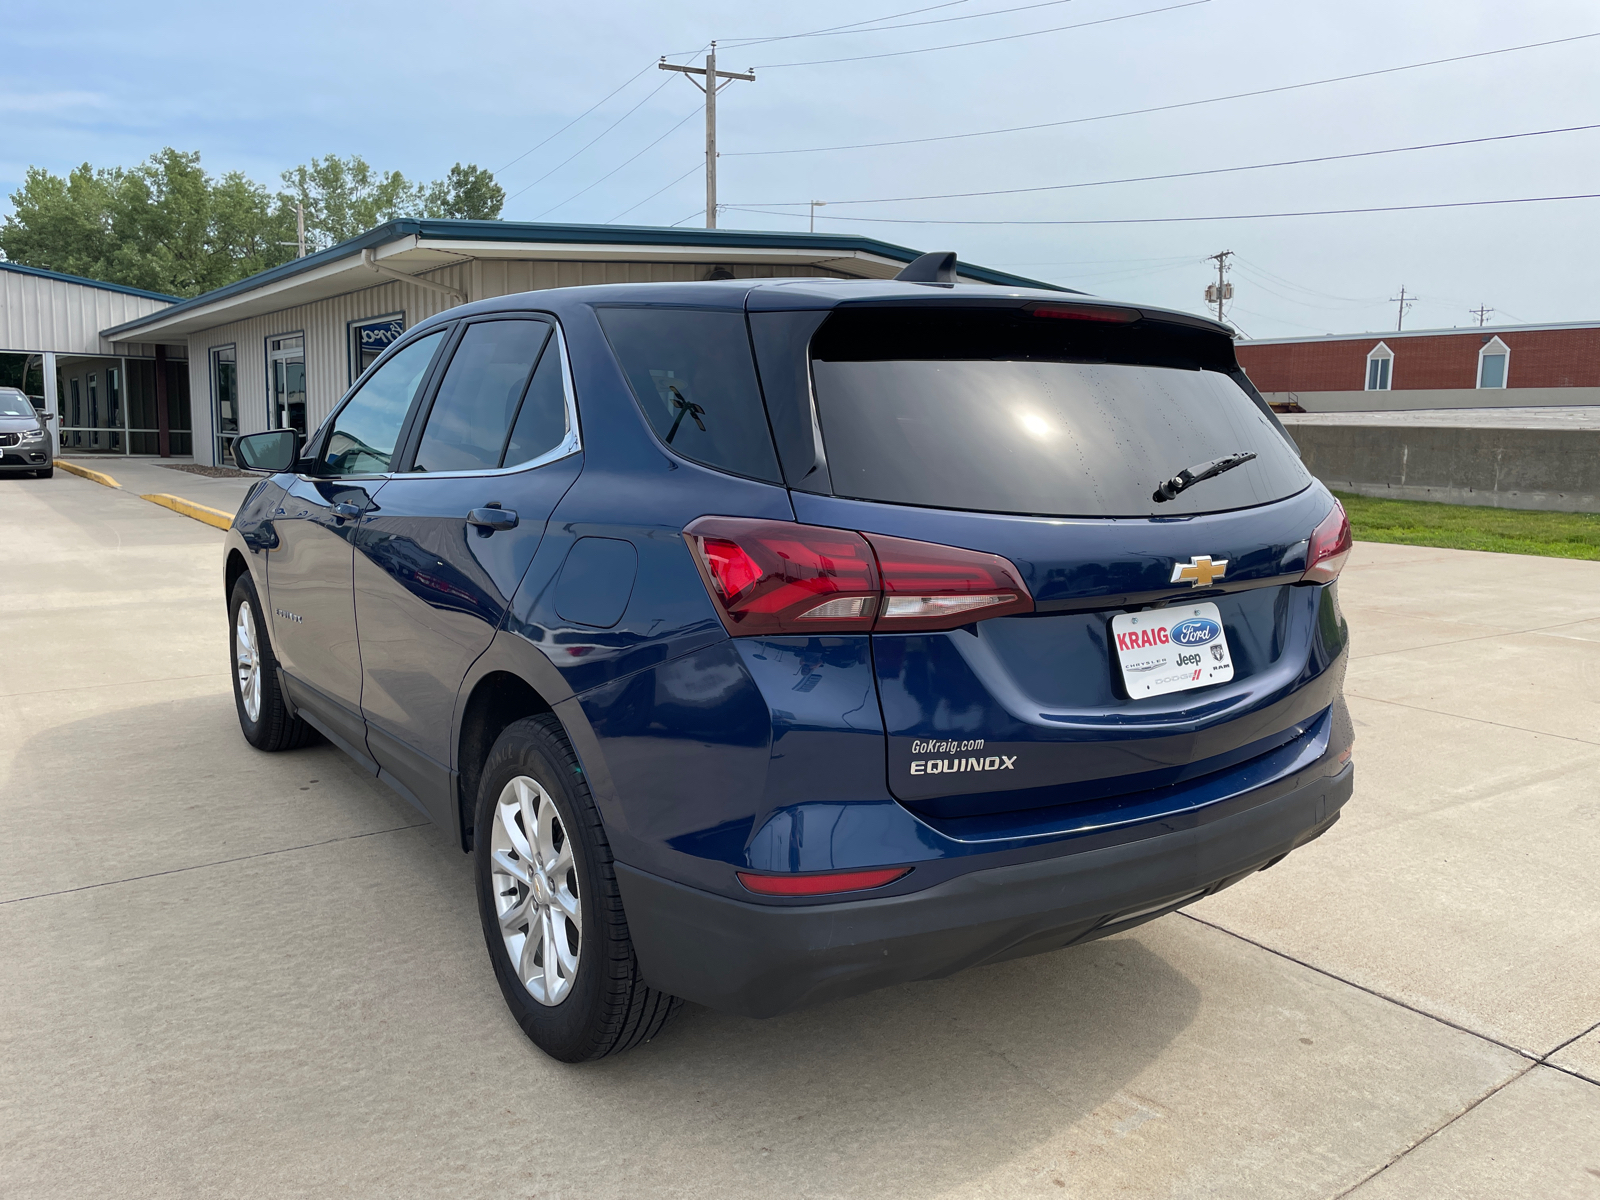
(344, 510)
(488, 520)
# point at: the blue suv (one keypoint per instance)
(770, 641)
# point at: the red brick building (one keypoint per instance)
(1505, 366)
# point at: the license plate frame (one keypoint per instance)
(1175, 649)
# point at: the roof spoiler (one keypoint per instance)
(938, 266)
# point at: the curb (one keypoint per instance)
(94, 476)
(200, 512)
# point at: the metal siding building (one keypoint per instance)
(43, 311)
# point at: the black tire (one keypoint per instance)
(608, 1008)
(272, 728)
(46, 473)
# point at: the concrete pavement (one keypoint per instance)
(229, 973)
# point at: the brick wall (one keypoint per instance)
(1539, 358)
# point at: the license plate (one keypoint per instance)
(1171, 649)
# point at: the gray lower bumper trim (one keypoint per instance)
(761, 960)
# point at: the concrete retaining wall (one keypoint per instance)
(1553, 469)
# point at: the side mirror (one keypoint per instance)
(47, 417)
(270, 452)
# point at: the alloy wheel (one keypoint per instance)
(247, 661)
(535, 881)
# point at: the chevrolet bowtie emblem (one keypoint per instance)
(1199, 571)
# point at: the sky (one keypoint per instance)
(510, 86)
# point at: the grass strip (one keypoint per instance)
(1469, 527)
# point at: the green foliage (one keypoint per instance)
(164, 225)
(1469, 527)
(467, 193)
(167, 226)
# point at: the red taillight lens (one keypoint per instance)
(772, 577)
(1086, 312)
(820, 885)
(1330, 546)
(775, 577)
(928, 586)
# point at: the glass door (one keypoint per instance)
(286, 359)
(225, 390)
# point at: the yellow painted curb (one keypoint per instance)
(96, 476)
(200, 512)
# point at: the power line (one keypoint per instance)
(1136, 112)
(573, 122)
(676, 126)
(587, 144)
(873, 28)
(1290, 162)
(786, 37)
(1010, 37)
(697, 166)
(1320, 212)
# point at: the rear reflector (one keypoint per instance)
(777, 577)
(1086, 312)
(1330, 546)
(820, 885)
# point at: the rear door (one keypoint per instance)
(1041, 434)
(309, 581)
(437, 563)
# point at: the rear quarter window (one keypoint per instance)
(692, 373)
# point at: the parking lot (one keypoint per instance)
(229, 973)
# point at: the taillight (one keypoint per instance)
(1085, 312)
(1330, 546)
(820, 885)
(928, 586)
(777, 577)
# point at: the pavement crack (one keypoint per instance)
(1533, 1059)
(1499, 1087)
(218, 863)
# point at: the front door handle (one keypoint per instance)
(343, 510)
(490, 519)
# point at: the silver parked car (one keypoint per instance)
(24, 437)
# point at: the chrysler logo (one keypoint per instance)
(1199, 570)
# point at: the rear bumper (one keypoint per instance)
(759, 960)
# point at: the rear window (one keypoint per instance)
(1001, 411)
(693, 376)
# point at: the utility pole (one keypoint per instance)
(300, 222)
(816, 204)
(1483, 313)
(1404, 304)
(711, 87)
(1221, 290)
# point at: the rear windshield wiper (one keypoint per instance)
(1190, 476)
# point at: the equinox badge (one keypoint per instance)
(1199, 571)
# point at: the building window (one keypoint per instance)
(225, 399)
(370, 338)
(1380, 366)
(1493, 360)
(286, 382)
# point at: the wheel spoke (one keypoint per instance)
(569, 959)
(548, 823)
(527, 969)
(566, 904)
(552, 957)
(507, 815)
(527, 804)
(514, 918)
(517, 868)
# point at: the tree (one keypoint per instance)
(164, 225)
(345, 197)
(468, 192)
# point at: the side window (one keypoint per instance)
(364, 433)
(692, 373)
(479, 397)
